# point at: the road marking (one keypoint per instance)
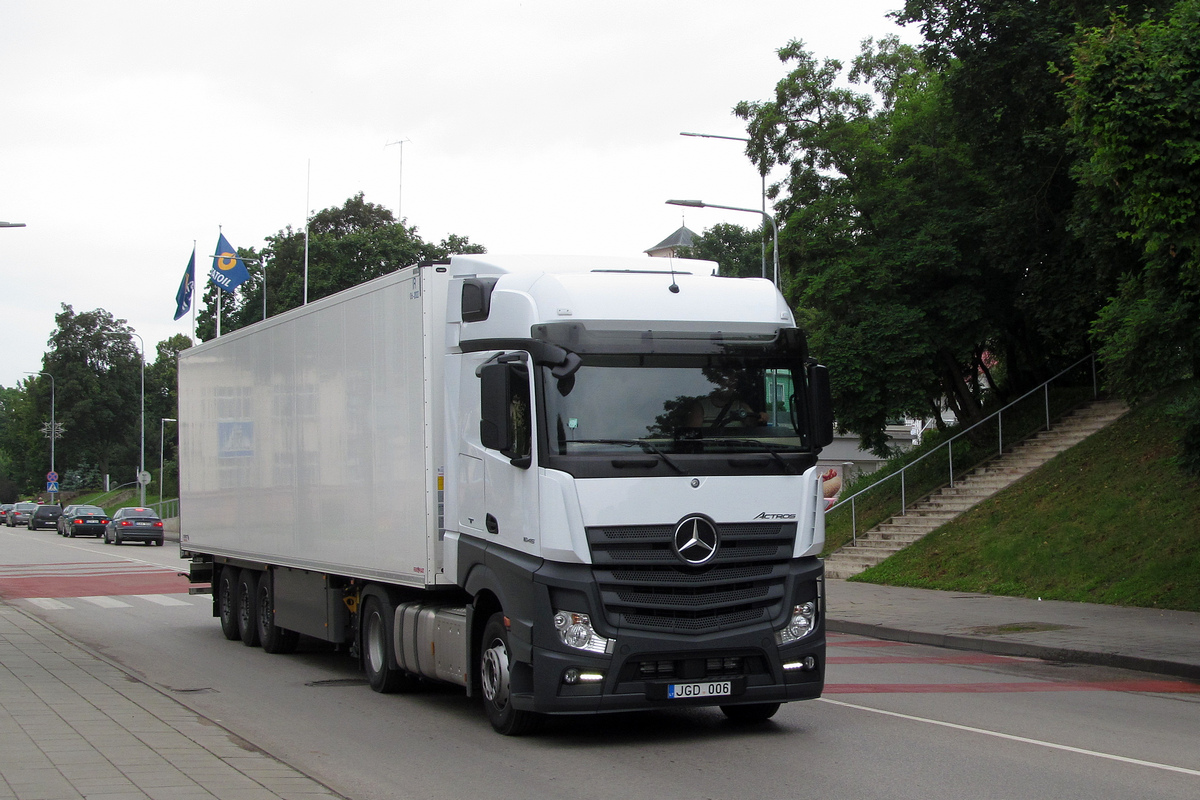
(48, 603)
(107, 602)
(1022, 739)
(163, 600)
(1149, 686)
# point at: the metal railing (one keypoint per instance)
(167, 508)
(948, 444)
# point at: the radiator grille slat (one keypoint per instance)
(644, 585)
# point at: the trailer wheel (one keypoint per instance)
(274, 639)
(247, 592)
(495, 674)
(750, 713)
(227, 603)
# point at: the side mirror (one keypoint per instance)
(820, 406)
(495, 388)
(504, 422)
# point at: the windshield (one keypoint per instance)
(673, 404)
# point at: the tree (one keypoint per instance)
(346, 246)
(1134, 102)
(97, 379)
(737, 249)
(881, 237)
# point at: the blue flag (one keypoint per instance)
(183, 298)
(228, 271)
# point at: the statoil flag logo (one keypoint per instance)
(228, 271)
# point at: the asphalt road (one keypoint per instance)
(897, 720)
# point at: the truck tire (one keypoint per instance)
(247, 593)
(273, 638)
(377, 650)
(227, 603)
(751, 712)
(495, 675)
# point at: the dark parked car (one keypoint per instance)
(45, 516)
(4, 509)
(83, 521)
(20, 514)
(134, 524)
(62, 521)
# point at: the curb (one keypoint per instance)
(1020, 649)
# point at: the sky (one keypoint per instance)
(131, 129)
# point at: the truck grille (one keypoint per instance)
(643, 584)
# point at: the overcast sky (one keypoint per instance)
(130, 129)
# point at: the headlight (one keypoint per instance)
(804, 619)
(575, 630)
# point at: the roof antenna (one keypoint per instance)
(674, 287)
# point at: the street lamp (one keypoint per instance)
(142, 460)
(762, 174)
(766, 216)
(162, 426)
(53, 427)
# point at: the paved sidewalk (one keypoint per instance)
(1164, 642)
(75, 726)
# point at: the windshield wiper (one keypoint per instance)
(769, 448)
(649, 448)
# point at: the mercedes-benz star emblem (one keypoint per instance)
(696, 541)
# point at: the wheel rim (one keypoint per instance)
(376, 646)
(495, 674)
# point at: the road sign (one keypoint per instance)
(52, 476)
(143, 478)
(52, 486)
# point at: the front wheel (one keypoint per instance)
(495, 673)
(750, 713)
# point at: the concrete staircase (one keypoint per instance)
(981, 483)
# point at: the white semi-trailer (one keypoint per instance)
(569, 485)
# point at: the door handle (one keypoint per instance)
(492, 525)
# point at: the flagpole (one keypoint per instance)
(220, 232)
(307, 195)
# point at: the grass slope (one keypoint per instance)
(1112, 520)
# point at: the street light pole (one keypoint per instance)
(162, 425)
(53, 427)
(762, 174)
(766, 216)
(142, 458)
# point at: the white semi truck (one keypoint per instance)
(569, 485)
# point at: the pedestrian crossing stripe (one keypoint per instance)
(54, 604)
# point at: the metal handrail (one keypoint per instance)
(1045, 387)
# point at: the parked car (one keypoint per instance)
(62, 521)
(4, 509)
(44, 516)
(20, 514)
(134, 524)
(83, 521)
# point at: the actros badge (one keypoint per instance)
(696, 541)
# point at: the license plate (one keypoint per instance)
(683, 691)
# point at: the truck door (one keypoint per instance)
(507, 424)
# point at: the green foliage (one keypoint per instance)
(887, 212)
(1108, 521)
(1134, 98)
(738, 250)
